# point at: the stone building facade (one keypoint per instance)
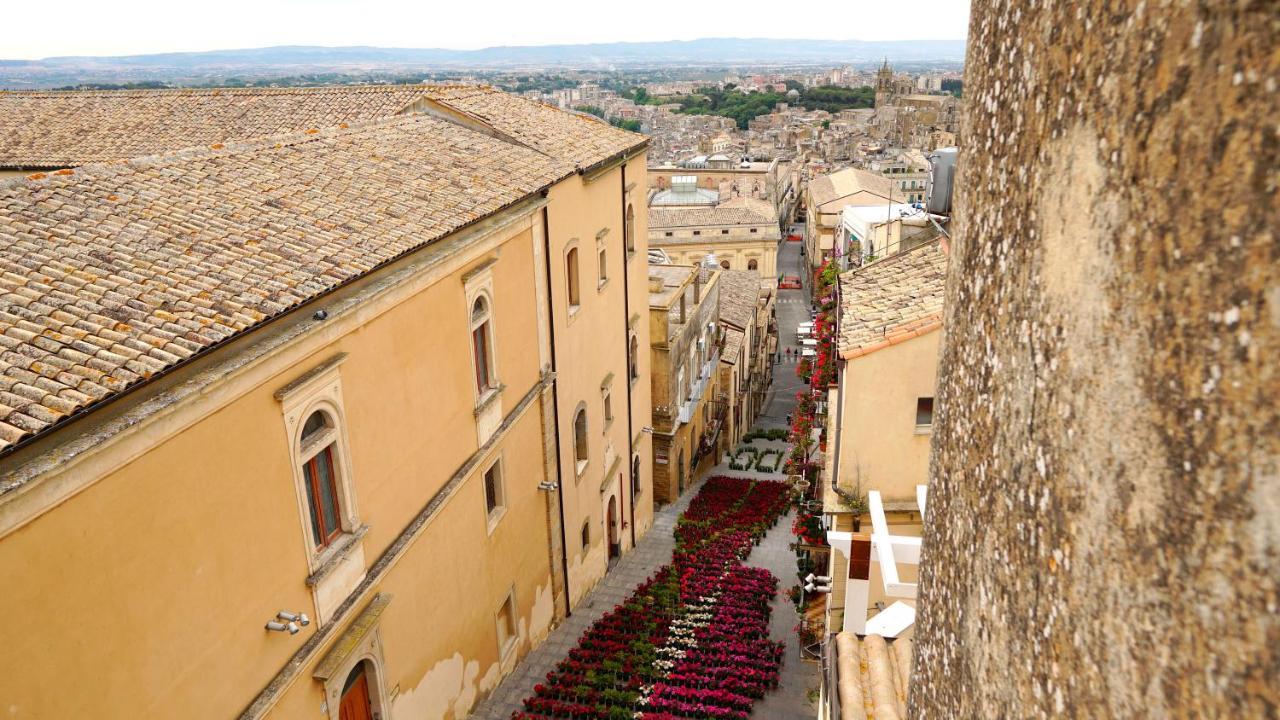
(687, 339)
(1101, 536)
(740, 234)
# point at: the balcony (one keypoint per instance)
(699, 386)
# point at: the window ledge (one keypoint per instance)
(495, 517)
(600, 286)
(489, 397)
(581, 467)
(924, 430)
(509, 646)
(333, 555)
(573, 310)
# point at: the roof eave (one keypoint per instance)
(863, 351)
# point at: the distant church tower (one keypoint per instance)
(884, 85)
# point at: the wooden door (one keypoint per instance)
(355, 697)
(615, 548)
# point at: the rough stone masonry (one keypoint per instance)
(1104, 513)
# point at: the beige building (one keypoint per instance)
(908, 169)
(686, 337)
(750, 338)
(772, 181)
(385, 373)
(869, 232)
(742, 234)
(882, 408)
(828, 195)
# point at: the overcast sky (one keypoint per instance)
(48, 28)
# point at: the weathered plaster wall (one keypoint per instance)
(1103, 536)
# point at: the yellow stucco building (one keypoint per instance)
(880, 413)
(337, 422)
(686, 337)
(746, 358)
(742, 234)
(828, 195)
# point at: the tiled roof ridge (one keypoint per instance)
(707, 211)
(894, 334)
(304, 90)
(98, 171)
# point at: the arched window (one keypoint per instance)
(633, 358)
(571, 276)
(580, 438)
(635, 476)
(319, 471)
(482, 345)
(629, 229)
(752, 265)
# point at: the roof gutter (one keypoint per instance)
(594, 170)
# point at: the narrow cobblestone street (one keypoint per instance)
(790, 700)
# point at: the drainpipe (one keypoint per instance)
(555, 408)
(626, 352)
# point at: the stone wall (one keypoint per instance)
(1104, 514)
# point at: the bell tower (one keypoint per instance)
(884, 85)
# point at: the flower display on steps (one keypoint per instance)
(692, 641)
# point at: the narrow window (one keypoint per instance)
(608, 407)
(604, 268)
(752, 265)
(494, 499)
(580, 438)
(629, 229)
(924, 412)
(633, 358)
(321, 480)
(571, 276)
(482, 345)
(635, 476)
(506, 622)
(724, 232)
(754, 229)
(668, 234)
(697, 232)
(586, 536)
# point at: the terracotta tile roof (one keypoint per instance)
(739, 291)
(873, 676)
(70, 128)
(581, 139)
(67, 129)
(741, 214)
(732, 344)
(111, 274)
(893, 300)
(852, 181)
